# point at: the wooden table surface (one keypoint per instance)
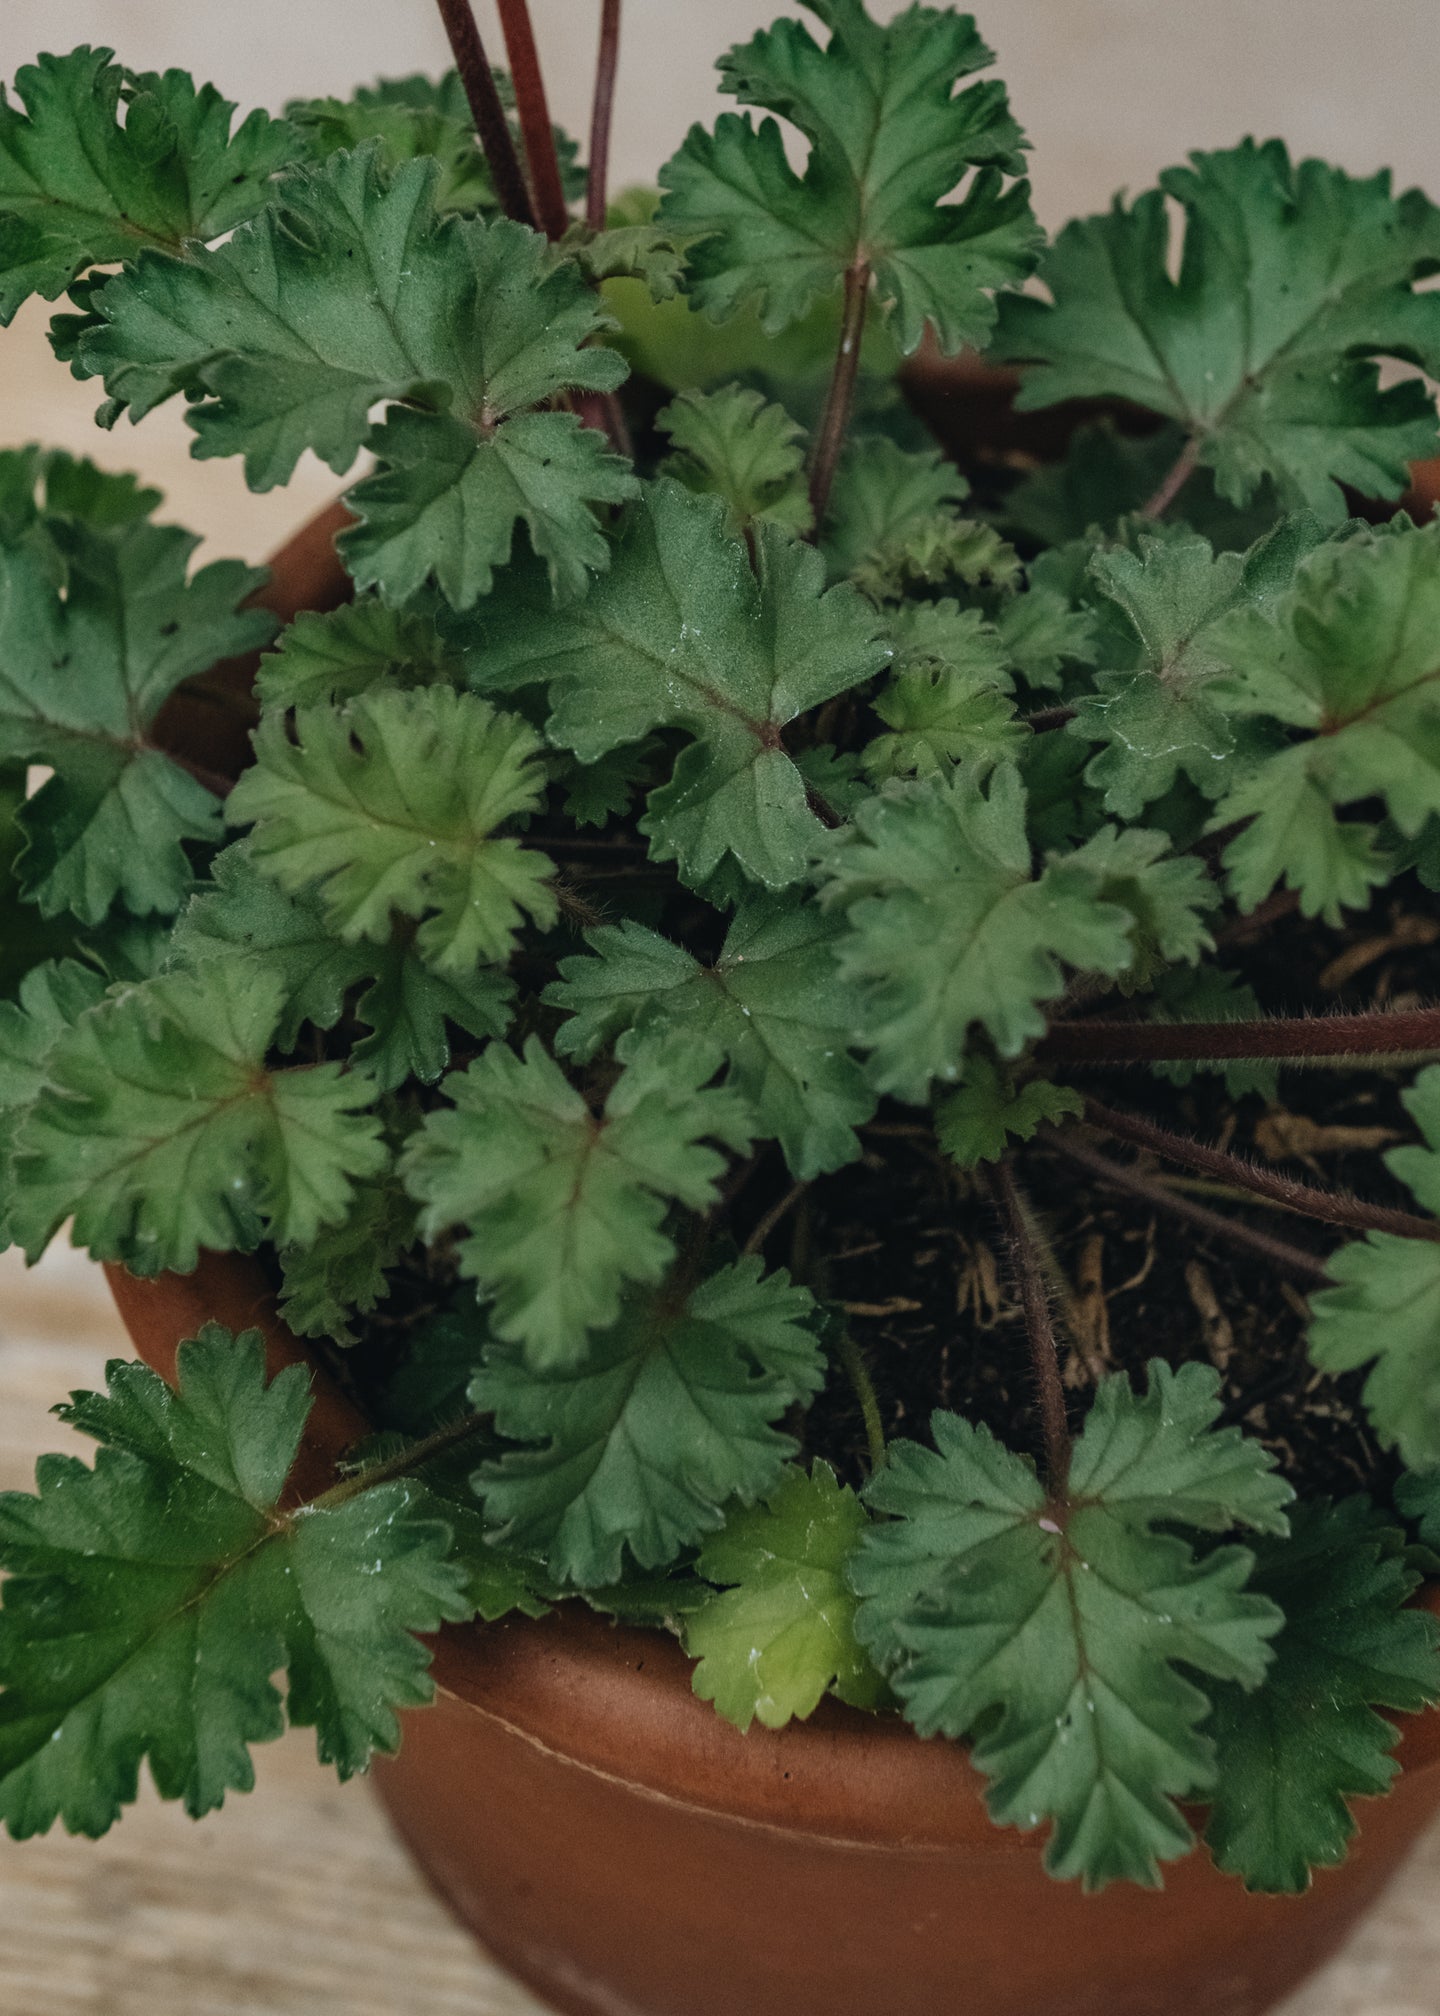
(297, 1901)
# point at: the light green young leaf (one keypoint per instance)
(162, 1131)
(947, 702)
(149, 1601)
(1053, 1632)
(350, 292)
(782, 1633)
(948, 926)
(81, 187)
(1166, 894)
(668, 1419)
(890, 141)
(682, 633)
(243, 919)
(1162, 715)
(731, 443)
(559, 1208)
(1292, 1754)
(643, 252)
(86, 663)
(340, 655)
(773, 1002)
(884, 498)
(1347, 659)
(1293, 280)
(392, 804)
(1384, 1310)
(978, 1123)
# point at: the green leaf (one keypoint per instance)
(1347, 659)
(150, 1600)
(414, 116)
(341, 1274)
(669, 1417)
(948, 926)
(81, 187)
(38, 485)
(348, 651)
(1161, 715)
(162, 1131)
(244, 920)
(890, 140)
(978, 1123)
(773, 1002)
(732, 444)
(1384, 1310)
(559, 1208)
(884, 498)
(782, 1632)
(1052, 1633)
(86, 663)
(642, 252)
(1292, 1754)
(680, 633)
(392, 804)
(948, 699)
(349, 293)
(49, 1001)
(1293, 279)
(1166, 895)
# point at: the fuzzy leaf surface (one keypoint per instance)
(781, 1632)
(86, 663)
(150, 1600)
(1294, 279)
(669, 1417)
(342, 654)
(733, 443)
(1054, 1634)
(82, 186)
(392, 804)
(1346, 660)
(682, 633)
(162, 1131)
(948, 926)
(773, 1001)
(1384, 1310)
(1293, 1753)
(890, 142)
(560, 1209)
(350, 292)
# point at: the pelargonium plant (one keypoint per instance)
(693, 975)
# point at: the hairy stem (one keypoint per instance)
(830, 440)
(1030, 1278)
(402, 1465)
(1175, 479)
(601, 113)
(1381, 1033)
(534, 114)
(486, 110)
(1329, 1206)
(1119, 1176)
(863, 1386)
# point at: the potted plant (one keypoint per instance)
(778, 1085)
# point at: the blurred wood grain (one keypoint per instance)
(298, 1901)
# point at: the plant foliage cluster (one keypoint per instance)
(698, 770)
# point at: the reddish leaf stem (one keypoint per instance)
(830, 441)
(534, 113)
(1120, 1176)
(601, 112)
(487, 111)
(1030, 1279)
(1381, 1033)
(1329, 1206)
(1183, 468)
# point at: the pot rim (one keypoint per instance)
(579, 1686)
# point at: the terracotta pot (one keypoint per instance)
(629, 1854)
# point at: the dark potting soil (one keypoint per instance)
(914, 1251)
